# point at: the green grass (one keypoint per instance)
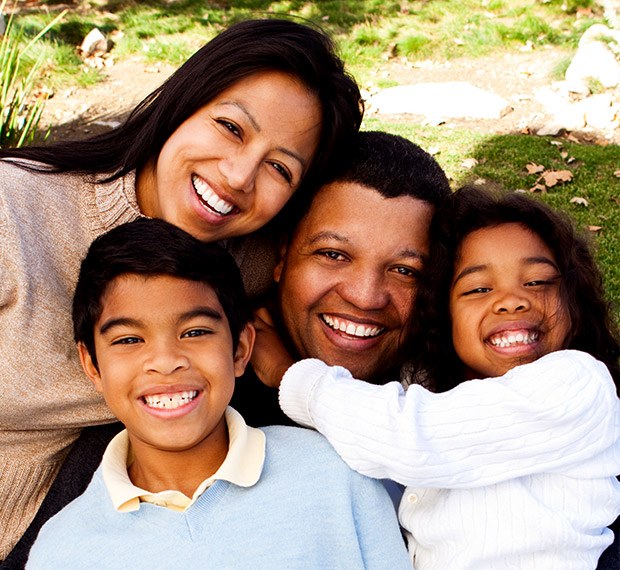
(368, 32)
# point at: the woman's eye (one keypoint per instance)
(127, 340)
(282, 171)
(234, 129)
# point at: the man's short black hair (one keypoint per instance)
(152, 247)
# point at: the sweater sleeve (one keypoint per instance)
(549, 415)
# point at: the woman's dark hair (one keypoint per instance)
(152, 247)
(592, 328)
(243, 49)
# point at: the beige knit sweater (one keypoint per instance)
(47, 222)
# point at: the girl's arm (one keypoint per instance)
(551, 414)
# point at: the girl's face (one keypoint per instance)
(230, 168)
(505, 301)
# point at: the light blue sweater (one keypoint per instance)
(307, 511)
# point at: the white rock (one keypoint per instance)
(595, 59)
(454, 99)
(94, 41)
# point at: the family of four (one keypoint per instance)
(456, 344)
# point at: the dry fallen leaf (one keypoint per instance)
(556, 143)
(553, 177)
(580, 201)
(469, 163)
(617, 173)
(595, 228)
(533, 168)
(538, 188)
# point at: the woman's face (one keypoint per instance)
(232, 165)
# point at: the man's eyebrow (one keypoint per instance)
(535, 260)
(257, 127)
(327, 234)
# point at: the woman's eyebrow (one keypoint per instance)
(257, 127)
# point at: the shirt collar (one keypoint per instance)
(242, 466)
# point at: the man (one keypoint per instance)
(346, 279)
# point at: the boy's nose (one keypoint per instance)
(166, 361)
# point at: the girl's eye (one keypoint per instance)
(282, 171)
(127, 340)
(477, 290)
(196, 332)
(234, 129)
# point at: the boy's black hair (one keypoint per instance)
(152, 247)
(592, 328)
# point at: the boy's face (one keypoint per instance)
(166, 363)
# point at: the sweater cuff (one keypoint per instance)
(297, 387)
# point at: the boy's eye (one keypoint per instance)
(196, 333)
(127, 340)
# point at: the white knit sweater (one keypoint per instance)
(510, 472)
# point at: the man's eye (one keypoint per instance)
(127, 340)
(407, 271)
(331, 254)
(537, 283)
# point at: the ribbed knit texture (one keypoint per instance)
(47, 223)
(308, 511)
(512, 472)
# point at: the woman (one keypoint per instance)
(218, 150)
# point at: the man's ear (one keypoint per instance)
(277, 272)
(244, 349)
(89, 367)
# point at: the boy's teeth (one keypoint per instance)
(170, 401)
(511, 339)
(351, 328)
(202, 188)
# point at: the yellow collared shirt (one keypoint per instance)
(242, 466)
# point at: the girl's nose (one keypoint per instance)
(511, 302)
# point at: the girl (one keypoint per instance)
(515, 468)
(218, 149)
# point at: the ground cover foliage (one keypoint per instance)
(368, 33)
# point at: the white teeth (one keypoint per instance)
(512, 339)
(204, 191)
(170, 401)
(350, 328)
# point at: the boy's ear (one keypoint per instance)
(89, 367)
(277, 272)
(244, 349)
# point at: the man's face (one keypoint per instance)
(348, 277)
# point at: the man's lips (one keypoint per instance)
(352, 328)
(209, 198)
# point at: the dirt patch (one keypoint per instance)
(516, 77)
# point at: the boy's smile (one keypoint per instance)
(165, 362)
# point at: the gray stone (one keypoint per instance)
(454, 99)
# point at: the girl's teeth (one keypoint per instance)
(202, 188)
(514, 338)
(170, 401)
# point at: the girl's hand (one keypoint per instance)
(270, 359)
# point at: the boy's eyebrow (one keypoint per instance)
(536, 260)
(207, 312)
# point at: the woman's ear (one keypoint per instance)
(244, 349)
(90, 369)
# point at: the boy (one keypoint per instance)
(163, 328)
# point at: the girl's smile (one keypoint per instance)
(505, 300)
